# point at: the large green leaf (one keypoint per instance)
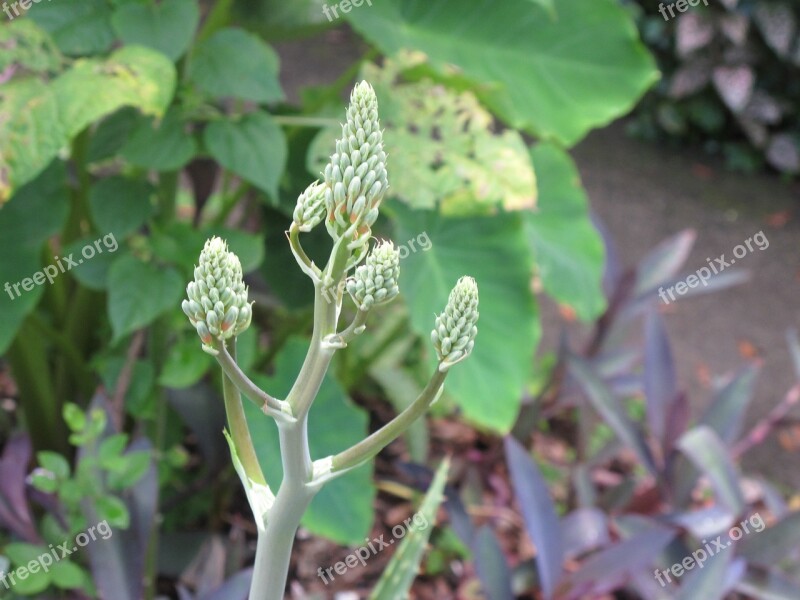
(568, 250)
(120, 205)
(489, 385)
(161, 145)
(31, 133)
(139, 292)
(131, 76)
(557, 78)
(36, 212)
(77, 27)
(167, 27)
(43, 118)
(253, 147)
(234, 63)
(26, 44)
(343, 509)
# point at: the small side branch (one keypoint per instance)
(305, 263)
(341, 339)
(278, 409)
(366, 449)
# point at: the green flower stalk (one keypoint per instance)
(217, 306)
(217, 303)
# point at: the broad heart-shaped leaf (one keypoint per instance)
(167, 27)
(77, 27)
(234, 63)
(539, 513)
(557, 78)
(132, 76)
(26, 44)
(36, 212)
(31, 134)
(567, 249)
(342, 511)
(120, 206)
(139, 292)
(161, 145)
(488, 386)
(253, 147)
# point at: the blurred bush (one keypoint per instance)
(730, 80)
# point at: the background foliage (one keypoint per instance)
(730, 81)
(165, 123)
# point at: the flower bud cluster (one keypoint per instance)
(310, 209)
(217, 303)
(375, 282)
(454, 333)
(356, 177)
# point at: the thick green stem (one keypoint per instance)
(240, 432)
(319, 353)
(366, 449)
(274, 549)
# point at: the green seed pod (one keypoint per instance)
(310, 209)
(356, 177)
(375, 282)
(217, 303)
(454, 333)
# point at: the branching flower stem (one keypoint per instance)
(218, 307)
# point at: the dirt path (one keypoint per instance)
(644, 194)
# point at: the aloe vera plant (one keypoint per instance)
(355, 182)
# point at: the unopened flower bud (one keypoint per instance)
(310, 209)
(356, 177)
(375, 282)
(217, 303)
(454, 333)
